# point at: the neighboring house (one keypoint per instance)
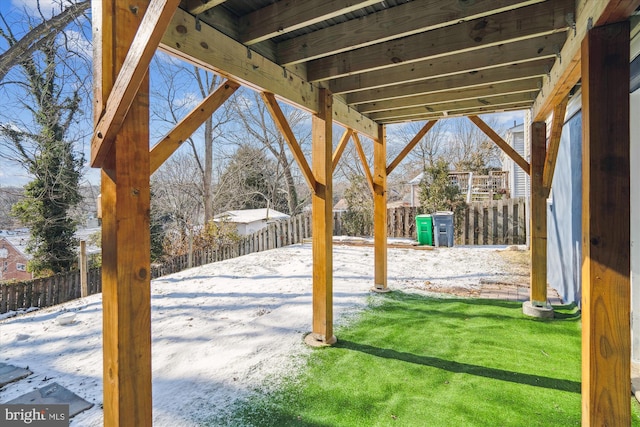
(341, 206)
(476, 187)
(249, 221)
(13, 262)
(518, 178)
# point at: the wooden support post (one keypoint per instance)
(322, 223)
(538, 289)
(606, 299)
(380, 210)
(125, 200)
(84, 290)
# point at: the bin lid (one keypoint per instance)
(443, 213)
(423, 216)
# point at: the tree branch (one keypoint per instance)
(47, 30)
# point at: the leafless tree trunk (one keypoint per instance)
(176, 92)
(259, 126)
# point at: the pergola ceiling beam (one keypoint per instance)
(199, 6)
(406, 150)
(454, 114)
(133, 70)
(210, 49)
(520, 86)
(554, 145)
(467, 62)
(388, 24)
(509, 151)
(526, 22)
(285, 16)
(565, 74)
(340, 148)
(282, 124)
(189, 124)
(459, 81)
(363, 160)
(494, 102)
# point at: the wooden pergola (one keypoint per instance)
(365, 64)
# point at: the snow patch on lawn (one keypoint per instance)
(220, 330)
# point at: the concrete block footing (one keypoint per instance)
(542, 311)
(380, 289)
(316, 340)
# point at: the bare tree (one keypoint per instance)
(469, 149)
(182, 86)
(259, 128)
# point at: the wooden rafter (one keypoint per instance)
(457, 95)
(565, 74)
(200, 6)
(212, 50)
(499, 102)
(363, 160)
(282, 124)
(406, 150)
(459, 113)
(530, 21)
(466, 63)
(554, 144)
(400, 21)
(337, 154)
(457, 82)
(280, 18)
(515, 156)
(189, 124)
(133, 70)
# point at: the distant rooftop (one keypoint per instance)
(247, 216)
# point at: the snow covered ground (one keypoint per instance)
(220, 330)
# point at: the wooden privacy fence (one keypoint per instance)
(47, 291)
(485, 223)
(53, 290)
(496, 222)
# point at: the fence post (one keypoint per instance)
(83, 269)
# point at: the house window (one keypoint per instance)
(4, 252)
(21, 267)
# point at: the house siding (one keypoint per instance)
(564, 220)
(12, 263)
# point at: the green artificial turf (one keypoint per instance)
(419, 361)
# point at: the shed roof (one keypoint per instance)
(247, 216)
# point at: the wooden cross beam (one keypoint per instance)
(132, 72)
(189, 124)
(515, 156)
(426, 128)
(363, 160)
(282, 124)
(341, 146)
(554, 144)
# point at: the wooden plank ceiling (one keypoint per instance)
(391, 61)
